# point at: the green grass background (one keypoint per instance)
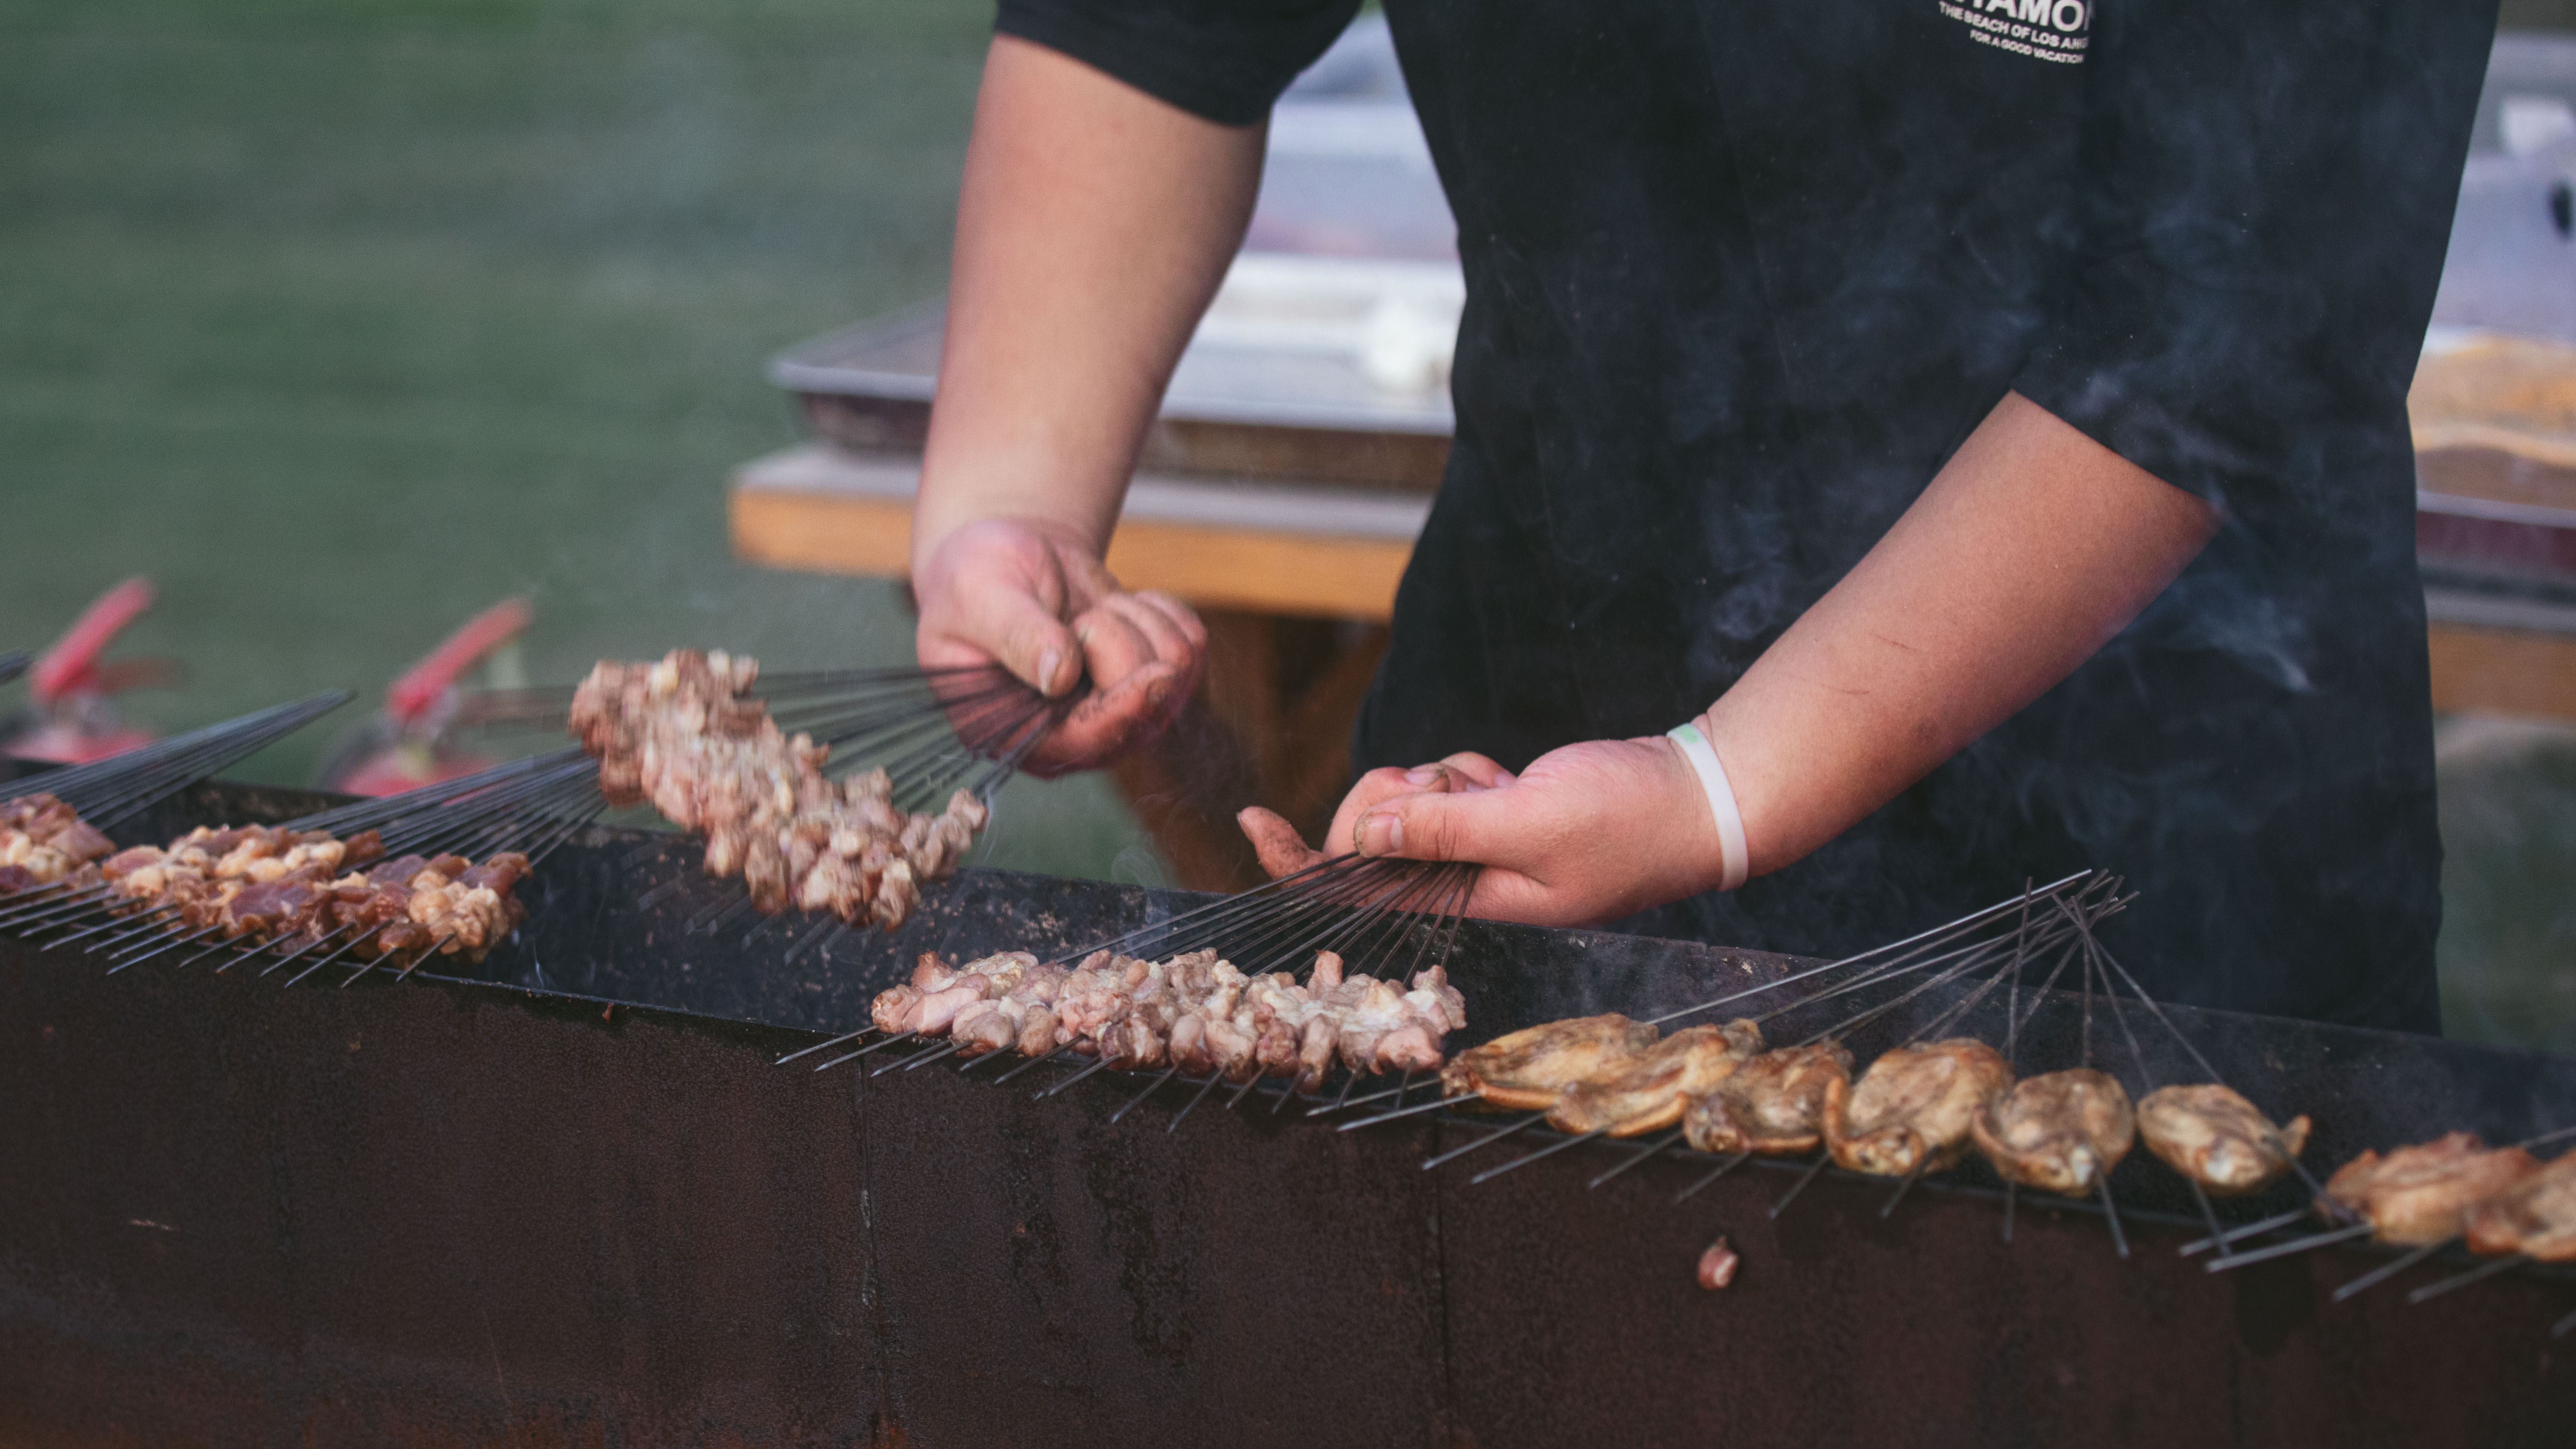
(345, 318)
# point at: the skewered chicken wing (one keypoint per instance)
(1652, 1089)
(1773, 1104)
(2416, 1196)
(1913, 1109)
(2536, 1216)
(2217, 1139)
(2060, 1132)
(1529, 1069)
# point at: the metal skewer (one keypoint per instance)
(2388, 1270)
(2480, 1273)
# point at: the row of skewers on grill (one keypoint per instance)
(258, 888)
(1931, 1102)
(389, 883)
(682, 731)
(1369, 937)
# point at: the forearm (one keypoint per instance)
(1093, 225)
(2025, 555)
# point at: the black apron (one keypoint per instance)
(1739, 280)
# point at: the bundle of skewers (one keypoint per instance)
(774, 782)
(1212, 997)
(383, 884)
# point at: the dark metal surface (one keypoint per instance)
(590, 1212)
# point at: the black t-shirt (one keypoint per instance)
(1740, 278)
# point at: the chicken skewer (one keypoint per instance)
(1968, 958)
(2215, 1139)
(1547, 1081)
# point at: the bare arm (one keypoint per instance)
(2029, 550)
(1094, 224)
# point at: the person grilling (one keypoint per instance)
(1901, 451)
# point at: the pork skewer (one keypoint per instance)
(1194, 1012)
(684, 734)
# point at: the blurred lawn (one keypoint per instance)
(343, 320)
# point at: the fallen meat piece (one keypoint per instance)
(1773, 1104)
(1913, 1109)
(2536, 1216)
(1529, 1069)
(2416, 1196)
(1717, 1266)
(2217, 1139)
(2060, 1132)
(1652, 1089)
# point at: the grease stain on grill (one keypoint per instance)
(2274, 1302)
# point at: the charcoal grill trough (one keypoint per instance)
(572, 1200)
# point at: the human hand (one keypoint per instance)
(1587, 833)
(1035, 600)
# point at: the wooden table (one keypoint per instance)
(2495, 447)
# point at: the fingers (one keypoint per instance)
(998, 591)
(1379, 785)
(1479, 771)
(1143, 654)
(1472, 825)
(1106, 722)
(1281, 849)
(1182, 639)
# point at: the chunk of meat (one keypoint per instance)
(1773, 1104)
(2417, 1196)
(2060, 1132)
(1717, 1265)
(1529, 1069)
(1651, 1090)
(2536, 1216)
(2216, 1138)
(1912, 1111)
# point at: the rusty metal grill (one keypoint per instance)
(574, 1202)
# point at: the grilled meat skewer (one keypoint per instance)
(1773, 1105)
(1653, 1089)
(1531, 1069)
(43, 840)
(2535, 1217)
(2216, 1138)
(680, 733)
(1195, 1012)
(2417, 1196)
(1913, 1110)
(2060, 1132)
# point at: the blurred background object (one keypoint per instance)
(342, 318)
(411, 741)
(71, 715)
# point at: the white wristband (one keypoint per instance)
(1721, 801)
